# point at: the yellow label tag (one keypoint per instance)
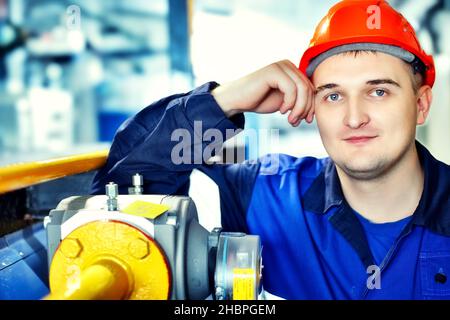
(243, 284)
(145, 209)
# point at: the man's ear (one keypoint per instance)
(423, 103)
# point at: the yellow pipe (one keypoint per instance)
(22, 175)
(105, 280)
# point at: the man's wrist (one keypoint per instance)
(220, 96)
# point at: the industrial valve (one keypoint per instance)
(140, 246)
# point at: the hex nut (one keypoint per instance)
(139, 248)
(71, 247)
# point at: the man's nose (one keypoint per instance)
(356, 115)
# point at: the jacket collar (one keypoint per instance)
(433, 211)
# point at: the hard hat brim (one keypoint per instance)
(363, 46)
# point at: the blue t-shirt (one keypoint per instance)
(381, 236)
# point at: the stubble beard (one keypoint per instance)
(375, 169)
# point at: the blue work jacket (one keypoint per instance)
(314, 246)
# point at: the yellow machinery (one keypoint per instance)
(139, 246)
(136, 246)
(109, 260)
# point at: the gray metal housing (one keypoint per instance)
(178, 232)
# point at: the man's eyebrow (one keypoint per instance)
(370, 82)
(382, 81)
(326, 86)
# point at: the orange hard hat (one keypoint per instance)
(366, 25)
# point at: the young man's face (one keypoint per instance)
(366, 110)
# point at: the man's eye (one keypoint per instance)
(333, 97)
(378, 93)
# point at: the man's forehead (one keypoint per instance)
(350, 68)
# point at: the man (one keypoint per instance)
(372, 221)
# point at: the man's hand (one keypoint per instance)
(279, 86)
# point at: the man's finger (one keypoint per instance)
(303, 91)
(283, 82)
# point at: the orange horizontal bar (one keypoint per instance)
(22, 175)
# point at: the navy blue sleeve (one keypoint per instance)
(143, 144)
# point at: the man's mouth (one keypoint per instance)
(359, 139)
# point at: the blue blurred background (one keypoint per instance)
(72, 71)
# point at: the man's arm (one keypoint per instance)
(144, 144)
